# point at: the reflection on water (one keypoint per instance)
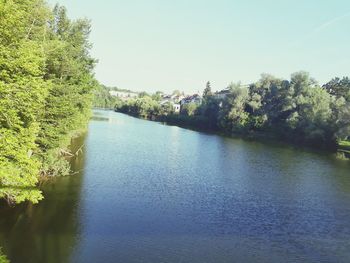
(155, 193)
(47, 232)
(98, 118)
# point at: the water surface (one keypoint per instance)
(148, 192)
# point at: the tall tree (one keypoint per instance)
(207, 91)
(46, 83)
(22, 94)
(339, 87)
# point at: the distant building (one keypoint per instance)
(172, 98)
(222, 94)
(123, 94)
(197, 99)
(176, 107)
(177, 101)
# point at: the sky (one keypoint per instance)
(150, 45)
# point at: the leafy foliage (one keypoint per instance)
(144, 107)
(189, 109)
(46, 85)
(297, 109)
(103, 99)
(3, 258)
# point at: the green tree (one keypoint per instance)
(69, 69)
(46, 84)
(103, 99)
(207, 91)
(22, 94)
(339, 87)
(189, 109)
(314, 113)
(157, 96)
(167, 108)
(232, 116)
(143, 94)
(270, 102)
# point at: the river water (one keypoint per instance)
(147, 192)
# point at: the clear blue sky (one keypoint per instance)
(165, 44)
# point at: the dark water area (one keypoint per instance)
(148, 192)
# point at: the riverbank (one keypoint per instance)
(56, 162)
(344, 149)
(200, 123)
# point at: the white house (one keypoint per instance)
(172, 98)
(191, 99)
(176, 107)
(222, 94)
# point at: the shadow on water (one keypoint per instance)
(46, 232)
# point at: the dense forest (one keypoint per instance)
(46, 92)
(298, 110)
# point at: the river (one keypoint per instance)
(147, 192)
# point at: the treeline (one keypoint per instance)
(103, 99)
(46, 84)
(297, 110)
(145, 106)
